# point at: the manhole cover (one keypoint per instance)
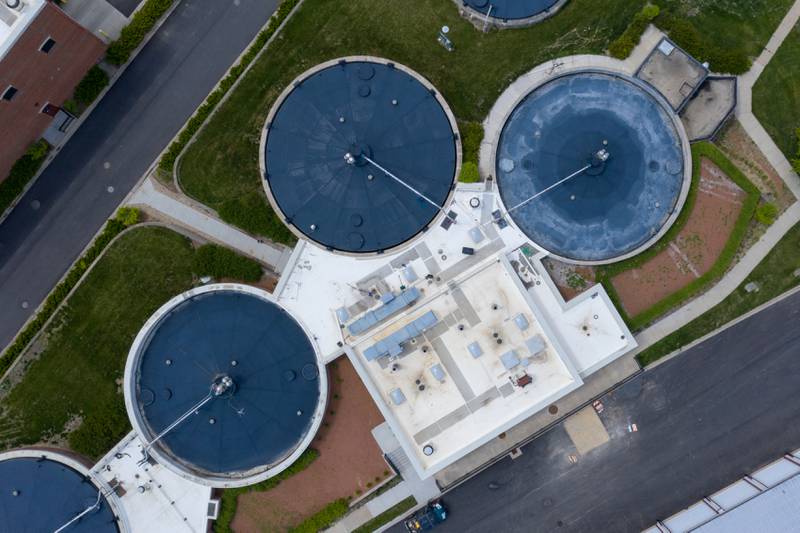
(552, 409)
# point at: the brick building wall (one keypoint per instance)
(41, 78)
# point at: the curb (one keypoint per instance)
(88, 111)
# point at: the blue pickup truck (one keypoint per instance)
(427, 518)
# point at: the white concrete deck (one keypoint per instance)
(473, 297)
(153, 498)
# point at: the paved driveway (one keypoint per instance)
(116, 145)
(704, 419)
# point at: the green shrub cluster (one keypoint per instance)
(796, 160)
(228, 501)
(766, 213)
(220, 262)
(389, 514)
(194, 123)
(323, 519)
(696, 43)
(90, 87)
(112, 228)
(622, 47)
(22, 172)
(469, 173)
(247, 211)
(134, 33)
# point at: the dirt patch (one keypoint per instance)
(350, 461)
(747, 157)
(693, 252)
(571, 280)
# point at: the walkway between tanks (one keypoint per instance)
(177, 209)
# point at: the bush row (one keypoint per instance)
(229, 498)
(323, 519)
(688, 37)
(112, 228)
(194, 123)
(220, 262)
(90, 87)
(623, 45)
(471, 138)
(134, 33)
(22, 172)
(796, 160)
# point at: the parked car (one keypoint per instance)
(427, 518)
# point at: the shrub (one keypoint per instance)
(469, 173)
(324, 518)
(622, 47)
(90, 87)
(134, 33)
(220, 262)
(796, 161)
(766, 213)
(128, 216)
(471, 138)
(112, 228)
(22, 172)
(176, 147)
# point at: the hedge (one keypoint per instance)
(22, 172)
(113, 227)
(228, 502)
(469, 173)
(90, 87)
(202, 113)
(722, 263)
(389, 514)
(623, 45)
(220, 262)
(323, 519)
(796, 161)
(134, 33)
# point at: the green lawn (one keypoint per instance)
(775, 275)
(776, 96)
(221, 168)
(77, 373)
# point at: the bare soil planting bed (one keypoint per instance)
(693, 252)
(350, 461)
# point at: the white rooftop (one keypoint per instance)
(410, 322)
(153, 497)
(14, 21)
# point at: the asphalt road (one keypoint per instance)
(113, 148)
(705, 418)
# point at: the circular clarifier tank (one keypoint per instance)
(224, 386)
(359, 155)
(625, 149)
(41, 490)
(512, 9)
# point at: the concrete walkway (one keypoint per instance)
(152, 195)
(734, 277)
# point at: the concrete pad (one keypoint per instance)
(97, 16)
(586, 430)
(708, 109)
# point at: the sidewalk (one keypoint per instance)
(787, 220)
(154, 196)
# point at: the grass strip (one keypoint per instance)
(388, 515)
(775, 274)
